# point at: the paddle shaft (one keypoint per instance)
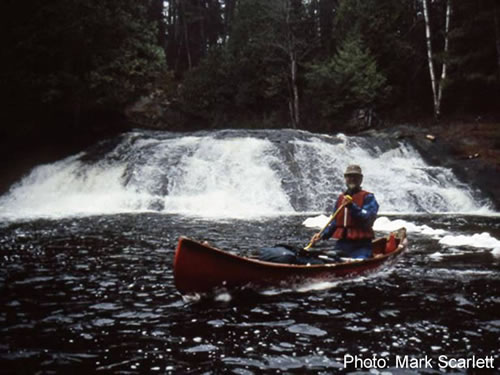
(332, 217)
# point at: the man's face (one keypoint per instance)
(353, 180)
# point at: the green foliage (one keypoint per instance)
(233, 59)
(347, 81)
(80, 55)
(254, 44)
(250, 73)
(390, 30)
(474, 79)
(208, 90)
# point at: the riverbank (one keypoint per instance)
(474, 154)
(470, 149)
(20, 153)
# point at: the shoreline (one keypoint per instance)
(470, 150)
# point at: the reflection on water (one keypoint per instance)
(97, 293)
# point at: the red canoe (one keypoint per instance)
(198, 267)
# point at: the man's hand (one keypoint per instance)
(347, 200)
(315, 238)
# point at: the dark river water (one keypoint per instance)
(96, 294)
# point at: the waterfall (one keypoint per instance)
(234, 174)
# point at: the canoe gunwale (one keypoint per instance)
(200, 267)
(350, 262)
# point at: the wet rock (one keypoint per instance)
(472, 151)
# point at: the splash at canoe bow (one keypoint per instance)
(199, 267)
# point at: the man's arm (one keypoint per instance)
(367, 213)
(327, 233)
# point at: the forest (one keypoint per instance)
(78, 66)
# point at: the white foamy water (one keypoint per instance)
(316, 222)
(69, 187)
(201, 176)
(447, 238)
(481, 240)
(228, 178)
(233, 174)
(399, 177)
(382, 224)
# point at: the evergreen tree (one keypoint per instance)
(193, 26)
(261, 59)
(474, 83)
(208, 90)
(350, 80)
(392, 32)
(77, 56)
(245, 59)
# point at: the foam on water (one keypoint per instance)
(447, 238)
(386, 225)
(70, 187)
(382, 224)
(480, 240)
(316, 222)
(228, 178)
(400, 178)
(233, 174)
(324, 285)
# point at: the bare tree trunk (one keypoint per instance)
(172, 44)
(186, 34)
(290, 111)
(446, 48)
(295, 91)
(437, 86)
(294, 104)
(430, 56)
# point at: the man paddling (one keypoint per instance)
(352, 226)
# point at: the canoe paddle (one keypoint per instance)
(333, 216)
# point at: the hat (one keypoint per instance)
(353, 169)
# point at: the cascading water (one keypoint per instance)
(234, 173)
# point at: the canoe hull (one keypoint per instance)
(199, 268)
